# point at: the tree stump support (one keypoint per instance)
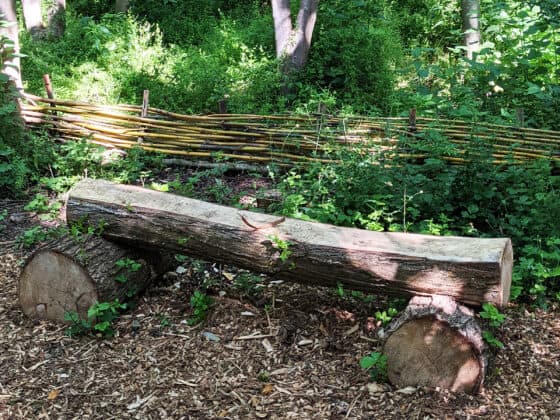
(435, 342)
(72, 274)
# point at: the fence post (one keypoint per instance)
(144, 112)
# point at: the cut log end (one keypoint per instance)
(436, 343)
(70, 275)
(53, 283)
(427, 352)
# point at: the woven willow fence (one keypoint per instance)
(283, 139)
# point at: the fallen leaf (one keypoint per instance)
(408, 390)
(223, 413)
(267, 389)
(374, 388)
(266, 344)
(228, 276)
(344, 315)
(53, 394)
(304, 342)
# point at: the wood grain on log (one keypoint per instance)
(470, 270)
(71, 274)
(435, 343)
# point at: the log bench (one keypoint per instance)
(436, 342)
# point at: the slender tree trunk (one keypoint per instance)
(470, 12)
(292, 44)
(10, 63)
(121, 6)
(33, 17)
(57, 18)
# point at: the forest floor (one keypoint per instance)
(279, 352)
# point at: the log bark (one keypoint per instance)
(470, 270)
(71, 274)
(436, 343)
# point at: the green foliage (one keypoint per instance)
(40, 204)
(200, 304)
(383, 192)
(495, 319)
(3, 215)
(376, 364)
(538, 265)
(37, 234)
(248, 284)
(492, 314)
(281, 245)
(386, 316)
(126, 266)
(354, 52)
(488, 336)
(99, 321)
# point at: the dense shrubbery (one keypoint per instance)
(385, 192)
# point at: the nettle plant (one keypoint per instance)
(100, 317)
(494, 319)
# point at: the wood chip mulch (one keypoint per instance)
(289, 352)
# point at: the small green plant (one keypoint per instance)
(183, 241)
(200, 303)
(386, 316)
(282, 245)
(3, 215)
(491, 340)
(495, 319)
(35, 235)
(263, 376)
(376, 364)
(492, 314)
(163, 321)
(248, 284)
(126, 266)
(99, 321)
(40, 204)
(340, 290)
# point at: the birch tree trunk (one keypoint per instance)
(56, 16)
(33, 17)
(292, 44)
(121, 6)
(470, 13)
(10, 63)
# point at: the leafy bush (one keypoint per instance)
(383, 192)
(353, 55)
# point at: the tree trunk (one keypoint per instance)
(57, 18)
(121, 6)
(292, 44)
(470, 270)
(435, 343)
(10, 63)
(470, 13)
(33, 17)
(71, 274)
